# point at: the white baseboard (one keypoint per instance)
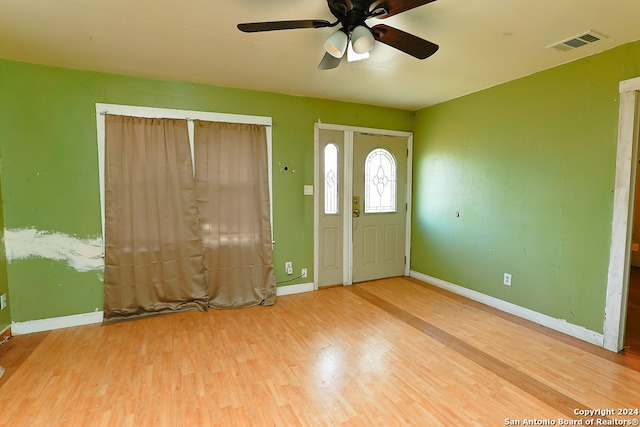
(31, 326)
(559, 325)
(294, 289)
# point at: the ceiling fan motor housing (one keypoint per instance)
(353, 13)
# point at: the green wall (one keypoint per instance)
(50, 168)
(529, 165)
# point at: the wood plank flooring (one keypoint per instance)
(16, 350)
(390, 352)
(632, 329)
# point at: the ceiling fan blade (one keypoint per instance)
(408, 43)
(254, 27)
(394, 7)
(328, 62)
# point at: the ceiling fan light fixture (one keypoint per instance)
(352, 16)
(362, 39)
(336, 44)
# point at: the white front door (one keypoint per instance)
(380, 188)
(361, 179)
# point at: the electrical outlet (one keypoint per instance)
(304, 272)
(289, 267)
(3, 301)
(507, 279)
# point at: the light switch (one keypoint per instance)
(308, 190)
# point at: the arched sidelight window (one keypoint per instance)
(380, 184)
(331, 179)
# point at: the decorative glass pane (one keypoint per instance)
(331, 179)
(380, 182)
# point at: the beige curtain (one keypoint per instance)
(233, 202)
(153, 250)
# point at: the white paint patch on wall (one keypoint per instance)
(81, 254)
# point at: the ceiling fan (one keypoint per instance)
(352, 14)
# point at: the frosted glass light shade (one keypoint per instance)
(362, 39)
(336, 44)
(353, 56)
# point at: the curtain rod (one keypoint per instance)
(189, 119)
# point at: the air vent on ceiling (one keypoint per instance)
(578, 41)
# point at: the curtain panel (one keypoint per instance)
(232, 187)
(178, 242)
(153, 250)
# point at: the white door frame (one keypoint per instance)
(348, 194)
(622, 225)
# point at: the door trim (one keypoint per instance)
(622, 224)
(348, 194)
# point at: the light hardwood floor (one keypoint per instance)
(385, 353)
(632, 330)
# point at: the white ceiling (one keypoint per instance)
(482, 43)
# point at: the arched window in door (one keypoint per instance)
(380, 184)
(331, 179)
